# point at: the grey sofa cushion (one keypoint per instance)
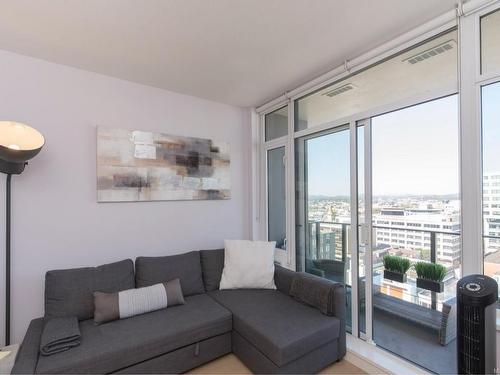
(186, 267)
(116, 345)
(212, 264)
(310, 363)
(70, 292)
(280, 327)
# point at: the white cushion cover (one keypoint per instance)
(248, 265)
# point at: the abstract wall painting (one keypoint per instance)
(134, 165)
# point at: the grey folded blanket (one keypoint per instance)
(59, 335)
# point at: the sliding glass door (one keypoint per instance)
(490, 96)
(415, 208)
(323, 206)
(490, 119)
(381, 178)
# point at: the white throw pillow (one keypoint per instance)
(248, 265)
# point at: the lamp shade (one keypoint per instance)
(18, 144)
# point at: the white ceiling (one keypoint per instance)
(240, 52)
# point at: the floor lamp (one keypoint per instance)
(18, 144)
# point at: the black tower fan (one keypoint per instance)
(476, 324)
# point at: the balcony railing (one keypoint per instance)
(324, 243)
(329, 241)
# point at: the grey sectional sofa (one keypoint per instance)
(270, 331)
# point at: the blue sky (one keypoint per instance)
(491, 127)
(415, 151)
(328, 164)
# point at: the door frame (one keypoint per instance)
(336, 129)
(359, 119)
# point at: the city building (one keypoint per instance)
(491, 211)
(418, 233)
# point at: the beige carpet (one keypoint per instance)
(230, 364)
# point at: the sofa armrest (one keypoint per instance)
(283, 278)
(27, 356)
(327, 296)
(337, 301)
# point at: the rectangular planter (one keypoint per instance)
(395, 276)
(433, 286)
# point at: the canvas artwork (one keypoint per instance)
(134, 165)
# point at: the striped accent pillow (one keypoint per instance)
(131, 302)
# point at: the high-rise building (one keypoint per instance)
(491, 225)
(491, 211)
(416, 231)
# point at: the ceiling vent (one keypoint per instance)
(431, 52)
(340, 90)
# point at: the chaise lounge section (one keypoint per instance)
(269, 330)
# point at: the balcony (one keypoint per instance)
(411, 332)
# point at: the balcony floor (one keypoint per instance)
(414, 343)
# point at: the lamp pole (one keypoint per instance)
(18, 144)
(7, 260)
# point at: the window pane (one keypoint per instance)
(490, 43)
(490, 96)
(276, 197)
(276, 124)
(429, 69)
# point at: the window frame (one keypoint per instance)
(471, 141)
(470, 80)
(481, 80)
(283, 257)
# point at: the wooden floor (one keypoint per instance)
(230, 364)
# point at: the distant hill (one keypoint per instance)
(388, 197)
(326, 197)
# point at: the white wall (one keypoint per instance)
(56, 221)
